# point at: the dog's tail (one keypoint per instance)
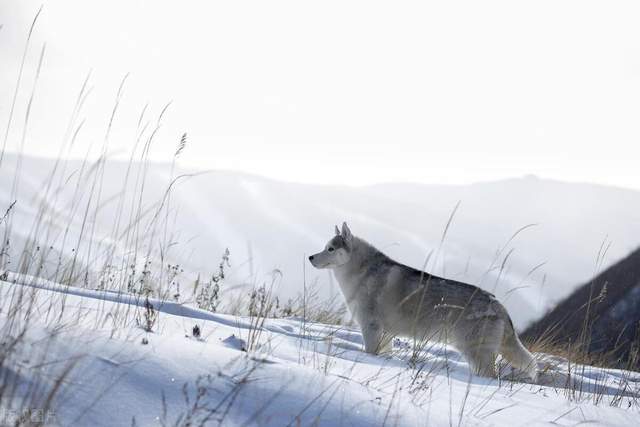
(516, 353)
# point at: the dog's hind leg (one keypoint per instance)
(482, 360)
(480, 344)
(516, 353)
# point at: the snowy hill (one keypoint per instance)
(271, 225)
(107, 370)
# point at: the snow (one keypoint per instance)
(295, 372)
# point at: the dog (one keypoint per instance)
(388, 299)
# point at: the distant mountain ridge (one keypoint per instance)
(269, 224)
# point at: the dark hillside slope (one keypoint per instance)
(603, 315)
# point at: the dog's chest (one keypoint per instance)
(361, 293)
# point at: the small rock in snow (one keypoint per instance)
(235, 342)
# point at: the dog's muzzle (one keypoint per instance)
(314, 261)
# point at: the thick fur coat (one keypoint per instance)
(389, 299)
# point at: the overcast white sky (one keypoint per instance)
(345, 91)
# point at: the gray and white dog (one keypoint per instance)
(389, 299)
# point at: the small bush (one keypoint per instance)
(149, 316)
(208, 293)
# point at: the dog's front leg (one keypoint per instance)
(369, 318)
(373, 334)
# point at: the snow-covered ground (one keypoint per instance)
(294, 372)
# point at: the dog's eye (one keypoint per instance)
(330, 249)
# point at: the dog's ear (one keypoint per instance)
(337, 231)
(346, 233)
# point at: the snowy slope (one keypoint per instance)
(295, 373)
(269, 224)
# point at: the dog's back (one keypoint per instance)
(420, 303)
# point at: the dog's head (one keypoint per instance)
(337, 252)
